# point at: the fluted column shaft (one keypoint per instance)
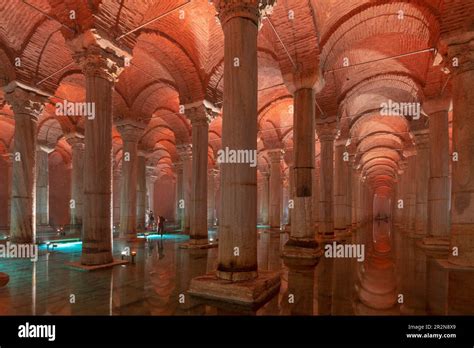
(211, 197)
(186, 156)
(340, 188)
(27, 107)
(141, 191)
(275, 188)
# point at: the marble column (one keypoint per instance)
(76, 140)
(237, 276)
(42, 183)
(150, 188)
(27, 105)
(315, 205)
(131, 132)
(141, 190)
(265, 197)
(326, 134)
(179, 195)
(340, 189)
(211, 197)
(410, 197)
(302, 242)
(8, 158)
(275, 188)
(186, 156)
(117, 178)
(422, 181)
(101, 63)
(438, 186)
(461, 47)
(198, 236)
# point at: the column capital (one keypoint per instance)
(276, 155)
(250, 9)
(185, 151)
(460, 52)
(326, 129)
(25, 100)
(98, 56)
(434, 105)
(199, 114)
(130, 130)
(75, 139)
(178, 167)
(213, 172)
(43, 145)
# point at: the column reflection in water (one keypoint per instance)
(376, 284)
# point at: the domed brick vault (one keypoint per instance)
(239, 122)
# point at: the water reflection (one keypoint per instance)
(397, 276)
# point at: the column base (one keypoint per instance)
(254, 292)
(4, 279)
(88, 268)
(435, 243)
(305, 252)
(198, 244)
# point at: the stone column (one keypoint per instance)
(179, 195)
(198, 219)
(326, 133)
(422, 181)
(291, 194)
(101, 66)
(275, 187)
(265, 197)
(315, 205)
(461, 48)
(131, 132)
(76, 140)
(42, 183)
(9, 161)
(141, 190)
(150, 188)
(340, 189)
(211, 196)
(27, 105)
(117, 178)
(237, 276)
(186, 156)
(438, 185)
(410, 197)
(302, 243)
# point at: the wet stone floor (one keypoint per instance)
(395, 277)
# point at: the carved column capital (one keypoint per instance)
(130, 130)
(276, 155)
(98, 56)
(25, 100)
(326, 130)
(250, 9)
(185, 151)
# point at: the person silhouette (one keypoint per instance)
(161, 225)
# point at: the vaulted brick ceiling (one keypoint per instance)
(178, 59)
